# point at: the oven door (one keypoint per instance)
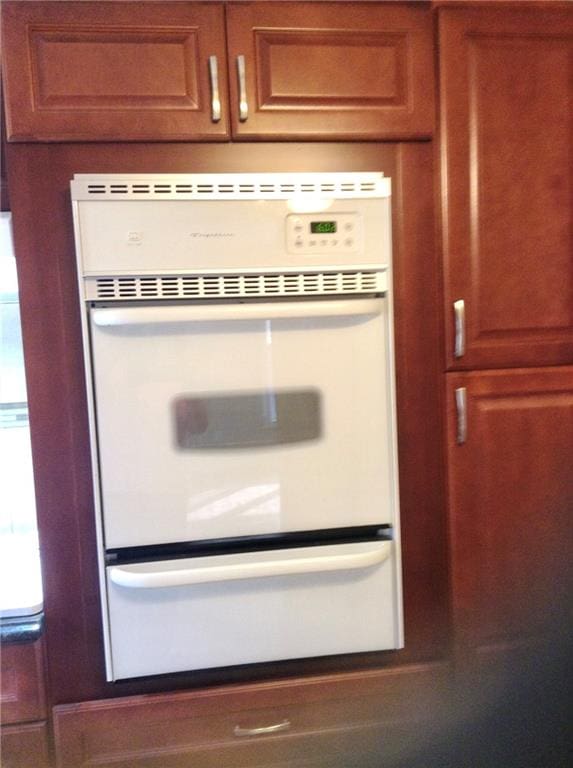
(230, 420)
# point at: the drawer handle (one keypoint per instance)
(215, 98)
(262, 731)
(145, 576)
(243, 105)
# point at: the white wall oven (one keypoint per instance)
(239, 360)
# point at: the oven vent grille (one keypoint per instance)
(256, 186)
(234, 286)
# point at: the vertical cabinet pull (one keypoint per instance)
(461, 407)
(460, 328)
(215, 97)
(243, 105)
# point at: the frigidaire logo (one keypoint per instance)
(212, 234)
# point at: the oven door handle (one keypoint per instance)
(197, 313)
(137, 577)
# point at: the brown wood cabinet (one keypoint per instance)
(4, 199)
(24, 731)
(25, 746)
(22, 695)
(144, 71)
(511, 496)
(507, 149)
(83, 77)
(334, 70)
(506, 136)
(112, 71)
(336, 720)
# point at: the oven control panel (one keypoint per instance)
(320, 234)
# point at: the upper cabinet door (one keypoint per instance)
(507, 150)
(330, 70)
(93, 71)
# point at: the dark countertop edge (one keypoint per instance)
(21, 629)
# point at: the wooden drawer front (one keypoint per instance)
(25, 746)
(22, 683)
(262, 724)
(327, 69)
(111, 71)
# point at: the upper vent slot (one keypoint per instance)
(232, 186)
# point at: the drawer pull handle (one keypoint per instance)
(145, 576)
(241, 73)
(215, 98)
(262, 731)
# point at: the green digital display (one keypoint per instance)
(322, 227)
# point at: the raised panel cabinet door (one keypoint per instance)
(330, 70)
(114, 71)
(510, 460)
(507, 186)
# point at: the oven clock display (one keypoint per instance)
(322, 227)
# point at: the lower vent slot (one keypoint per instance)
(226, 286)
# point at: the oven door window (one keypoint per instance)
(234, 420)
(246, 420)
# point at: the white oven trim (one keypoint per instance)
(94, 460)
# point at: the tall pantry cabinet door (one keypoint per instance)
(114, 71)
(510, 459)
(507, 180)
(330, 70)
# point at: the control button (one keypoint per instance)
(298, 242)
(334, 242)
(324, 243)
(298, 227)
(349, 242)
(312, 243)
(349, 226)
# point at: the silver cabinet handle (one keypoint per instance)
(460, 328)
(215, 97)
(276, 728)
(243, 106)
(461, 407)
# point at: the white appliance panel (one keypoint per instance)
(158, 369)
(347, 607)
(136, 236)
